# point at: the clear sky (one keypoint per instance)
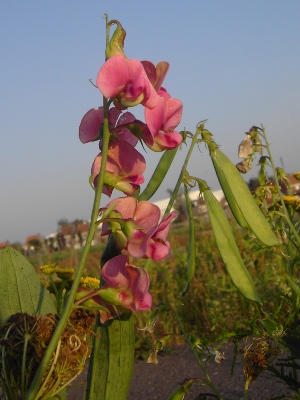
(233, 62)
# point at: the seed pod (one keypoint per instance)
(159, 174)
(240, 199)
(228, 248)
(192, 242)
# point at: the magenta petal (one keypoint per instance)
(138, 243)
(90, 125)
(115, 274)
(162, 69)
(157, 250)
(113, 116)
(113, 76)
(145, 303)
(150, 70)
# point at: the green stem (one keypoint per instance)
(182, 173)
(291, 226)
(187, 339)
(23, 373)
(70, 301)
(247, 383)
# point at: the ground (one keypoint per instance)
(158, 382)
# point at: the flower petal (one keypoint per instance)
(113, 76)
(89, 127)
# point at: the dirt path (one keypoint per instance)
(153, 382)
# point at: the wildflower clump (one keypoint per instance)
(23, 341)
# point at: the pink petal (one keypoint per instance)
(131, 162)
(166, 141)
(147, 215)
(115, 274)
(126, 206)
(164, 226)
(113, 76)
(173, 113)
(162, 69)
(150, 70)
(90, 125)
(157, 250)
(138, 243)
(155, 117)
(145, 303)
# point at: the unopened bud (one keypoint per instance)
(116, 43)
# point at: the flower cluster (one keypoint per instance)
(136, 226)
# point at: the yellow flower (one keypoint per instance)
(296, 175)
(92, 283)
(292, 201)
(64, 273)
(48, 269)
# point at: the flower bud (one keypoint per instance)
(116, 43)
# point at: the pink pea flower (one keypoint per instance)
(156, 74)
(136, 227)
(161, 122)
(127, 81)
(125, 289)
(124, 168)
(90, 128)
(125, 285)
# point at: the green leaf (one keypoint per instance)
(112, 360)
(184, 388)
(21, 288)
(228, 248)
(240, 198)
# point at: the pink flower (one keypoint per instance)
(161, 122)
(156, 74)
(124, 168)
(90, 128)
(125, 285)
(136, 227)
(127, 81)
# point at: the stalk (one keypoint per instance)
(70, 300)
(183, 171)
(288, 220)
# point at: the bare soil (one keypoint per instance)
(153, 382)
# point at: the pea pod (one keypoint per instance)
(240, 199)
(228, 248)
(191, 248)
(159, 174)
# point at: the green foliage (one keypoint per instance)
(21, 288)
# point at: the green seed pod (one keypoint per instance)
(159, 174)
(228, 248)
(240, 199)
(192, 242)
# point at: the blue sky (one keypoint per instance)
(233, 62)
